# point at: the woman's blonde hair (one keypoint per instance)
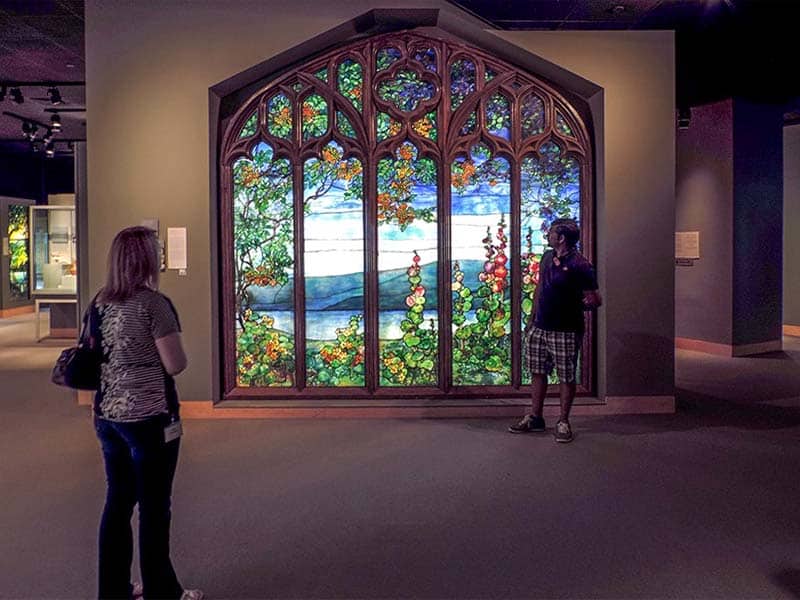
(133, 264)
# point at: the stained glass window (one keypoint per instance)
(481, 278)
(352, 270)
(407, 269)
(333, 224)
(264, 269)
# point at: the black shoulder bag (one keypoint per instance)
(79, 367)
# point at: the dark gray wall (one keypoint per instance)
(791, 225)
(704, 203)
(757, 222)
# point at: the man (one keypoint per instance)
(554, 332)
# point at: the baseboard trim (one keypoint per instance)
(728, 350)
(614, 405)
(13, 312)
(793, 330)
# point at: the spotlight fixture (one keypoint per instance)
(29, 130)
(54, 95)
(16, 95)
(48, 137)
(3, 91)
(55, 122)
(684, 117)
(50, 149)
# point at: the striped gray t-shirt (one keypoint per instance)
(133, 383)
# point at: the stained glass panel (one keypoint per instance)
(279, 116)
(406, 90)
(462, 81)
(489, 74)
(351, 81)
(426, 57)
(334, 269)
(407, 269)
(315, 117)
(532, 113)
(387, 126)
(480, 271)
(498, 116)
(263, 233)
(18, 250)
(550, 189)
(250, 126)
(562, 125)
(470, 124)
(344, 125)
(426, 126)
(385, 58)
(322, 74)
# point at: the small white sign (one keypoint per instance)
(176, 248)
(687, 244)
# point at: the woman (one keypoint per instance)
(136, 417)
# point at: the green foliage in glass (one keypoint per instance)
(18, 248)
(532, 115)
(351, 81)
(397, 180)
(314, 115)
(264, 355)
(386, 126)
(322, 74)
(482, 343)
(462, 81)
(406, 90)
(385, 57)
(498, 116)
(339, 362)
(344, 125)
(263, 219)
(411, 360)
(470, 124)
(279, 116)
(250, 126)
(549, 186)
(562, 125)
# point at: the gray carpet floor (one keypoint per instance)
(699, 504)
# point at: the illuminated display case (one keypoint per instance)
(54, 256)
(15, 271)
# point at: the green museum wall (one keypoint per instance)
(704, 192)
(791, 225)
(148, 75)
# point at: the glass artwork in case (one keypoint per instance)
(54, 268)
(19, 249)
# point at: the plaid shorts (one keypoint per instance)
(544, 350)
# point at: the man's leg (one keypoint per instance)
(538, 391)
(566, 394)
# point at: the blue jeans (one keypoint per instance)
(140, 468)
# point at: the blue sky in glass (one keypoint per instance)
(480, 205)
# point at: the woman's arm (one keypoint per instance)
(170, 350)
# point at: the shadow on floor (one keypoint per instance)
(789, 580)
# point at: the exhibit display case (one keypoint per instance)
(54, 256)
(15, 270)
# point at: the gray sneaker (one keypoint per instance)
(563, 432)
(528, 424)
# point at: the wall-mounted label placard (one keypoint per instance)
(176, 247)
(687, 244)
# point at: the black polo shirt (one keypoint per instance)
(561, 288)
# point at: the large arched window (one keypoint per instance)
(382, 214)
